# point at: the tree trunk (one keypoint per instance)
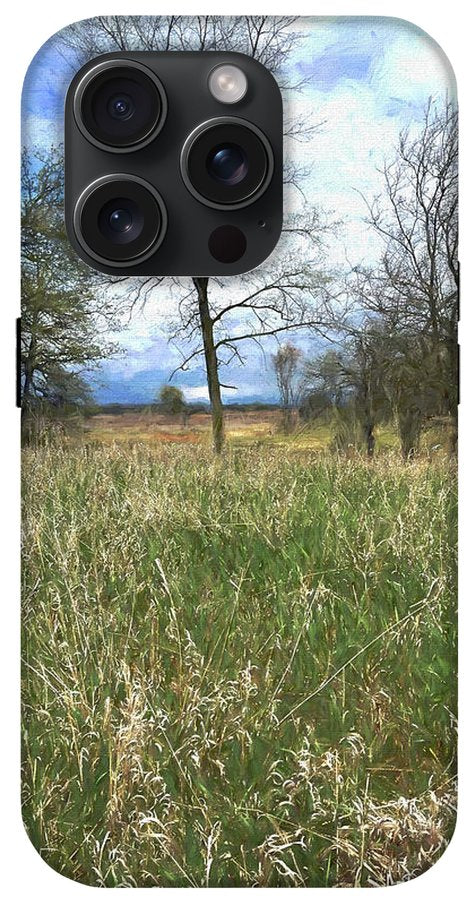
(287, 420)
(367, 415)
(409, 426)
(369, 438)
(214, 392)
(28, 373)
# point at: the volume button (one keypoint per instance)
(18, 363)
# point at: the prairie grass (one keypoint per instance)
(237, 672)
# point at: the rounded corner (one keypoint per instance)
(41, 51)
(448, 835)
(37, 853)
(408, 25)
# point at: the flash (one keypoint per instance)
(227, 83)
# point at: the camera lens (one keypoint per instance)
(120, 220)
(120, 106)
(227, 162)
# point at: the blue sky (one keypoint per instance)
(366, 80)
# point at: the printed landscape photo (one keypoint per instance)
(240, 495)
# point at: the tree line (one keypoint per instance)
(395, 354)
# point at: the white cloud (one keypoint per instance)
(196, 393)
(416, 67)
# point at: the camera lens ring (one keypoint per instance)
(210, 125)
(120, 179)
(87, 81)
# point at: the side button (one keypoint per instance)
(18, 363)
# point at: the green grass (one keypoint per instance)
(238, 672)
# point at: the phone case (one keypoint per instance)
(239, 494)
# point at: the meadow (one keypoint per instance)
(237, 671)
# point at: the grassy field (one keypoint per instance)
(237, 672)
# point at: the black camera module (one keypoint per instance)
(227, 162)
(163, 174)
(120, 106)
(120, 220)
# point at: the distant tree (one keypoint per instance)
(52, 414)
(63, 310)
(354, 377)
(324, 384)
(68, 390)
(414, 288)
(376, 375)
(412, 380)
(286, 364)
(171, 400)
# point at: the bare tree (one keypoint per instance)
(415, 287)
(290, 292)
(287, 294)
(286, 364)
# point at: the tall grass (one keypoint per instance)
(237, 672)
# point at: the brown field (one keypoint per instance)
(150, 426)
(245, 427)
